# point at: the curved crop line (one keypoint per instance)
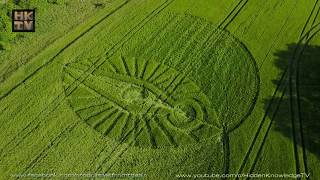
(138, 82)
(188, 132)
(135, 137)
(284, 74)
(312, 11)
(263, 119)
(150, 87)
(194, 128)
(63, 94)
(204, 111)
(255, 66)
(293, 124)
(50, 61)
(165, 131)
(207, 44)
(295, 92)
(256, 96)
(317, 14)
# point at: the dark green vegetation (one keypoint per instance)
(163, 87)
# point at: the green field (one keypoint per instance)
(166, 89)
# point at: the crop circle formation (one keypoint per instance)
(150, 96)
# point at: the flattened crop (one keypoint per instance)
(171, 84)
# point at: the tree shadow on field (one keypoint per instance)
(308, 86)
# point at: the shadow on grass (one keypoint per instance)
(308, 83)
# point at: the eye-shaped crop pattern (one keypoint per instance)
(177, 80)
(141, 101)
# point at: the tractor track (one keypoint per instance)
(52, 144)
(62, 50)
(261, 125)
(233, 14)
(284, 74)
(63, 94)
(295, 95)
(277, 39)
(59, 96)
(293, 132)
(309, 17)
(224, 24)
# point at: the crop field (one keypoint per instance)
(163, 89)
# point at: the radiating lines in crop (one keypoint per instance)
(130, 91)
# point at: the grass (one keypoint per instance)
(162, 87)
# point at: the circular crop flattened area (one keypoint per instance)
(178, 80)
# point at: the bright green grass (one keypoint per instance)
(73, 114)
(53, 21)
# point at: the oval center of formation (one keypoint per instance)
(144, 98)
